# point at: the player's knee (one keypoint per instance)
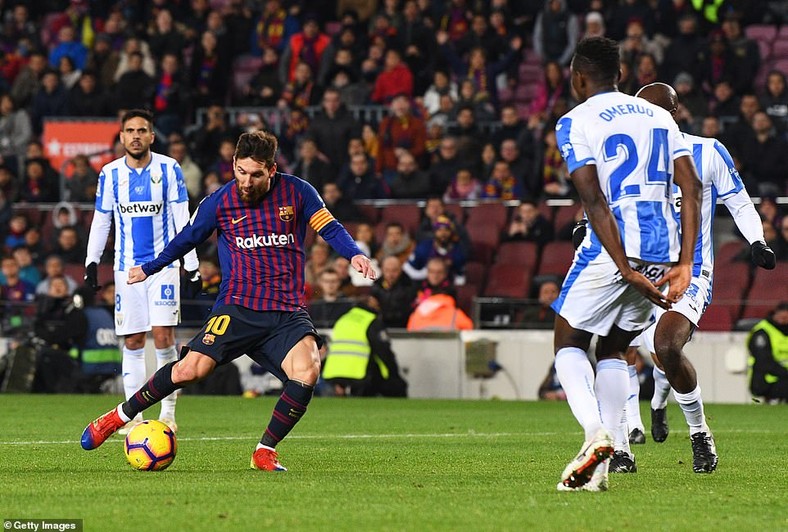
(308, 372)
(135, 341)
(668, 349)
(188, 372)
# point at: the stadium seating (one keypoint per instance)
(761, 32)
(556, 259)
(488, 213)
(769, 288)
(408, 215)
(456, 210)
(524, 254)
(484, 241)
(728, 251)
(508, 280)
(371, 213)
(476, 274)
(716, 318)
(465, 295)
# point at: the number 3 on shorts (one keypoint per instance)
(218, 325)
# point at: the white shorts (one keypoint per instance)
(594, 297)
(153, 302)
(692, 306)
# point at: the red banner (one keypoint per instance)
(63, 139)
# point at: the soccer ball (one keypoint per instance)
(150, 446)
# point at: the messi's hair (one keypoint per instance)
(258, 145)
(137, 113)
(598, 58)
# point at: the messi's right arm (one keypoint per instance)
(199, 228)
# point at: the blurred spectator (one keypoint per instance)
(64, 215)
(69, 246)
(444, 166)
(164, 38)
(352, 90)
(435, 207)
(81, 185)
(470, 138)
(206, 140)
(192, 174)
(309, 166)
(521, 167)
(306, 46)
(264, 89)
(87, 98)
(556, 32)
(541, 315)
(171, 99)
(342, 208)
(768, 361)
(27, 82)
(716, 62)
(318, 261)
(365, 239)
(361, 183)
(131, 47)
(479, 70)
(69, 74)
(627, 83)
(769, 211)
(503, 185)
(396, 79)
(68, 46)
(38, 187)
(135, 88)
(455, 19)
(395, 292)
(399, 131)
(780, 242)
(396, 243)
(333, 128)
(594, 25)
(34, 243)
(689, 96)
(409, 182)
(53, 268)
(621, 14)
(436, 281)
(637, 44)
(18, 26)
(552, 87)
(443, 245)
(302, 90)
(346, 285)
(223, 165)
(13, 288)
(297, 126)
(28, 271)
(210, 69)
(765, 158)
(685, 49)
(371, 142)
(746, 54)
(17, 227)
(489, 155)
(15, 132)
(331, 303)
(104, 61)
(555, 175)
(274, 28)
(50, 101)
(529, 225)
(725, 104)
(439, 313)
(646, 70)
(711, 127)
(441, 85)
(482, 36)
(774, 100)
(464, 186)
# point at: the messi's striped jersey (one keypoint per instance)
(261, 247)
(633, 144)
(149, 206)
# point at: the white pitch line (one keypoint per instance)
(312, 437)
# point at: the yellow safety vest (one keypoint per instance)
(349, 350)
(709, 8)
(779, 343)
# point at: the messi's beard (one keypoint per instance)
(253, 197)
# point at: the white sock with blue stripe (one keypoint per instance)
(164, 357)
(576, 375)
(133, 371)
(632, 411)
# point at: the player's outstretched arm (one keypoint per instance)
(586, 182)
(680, 275)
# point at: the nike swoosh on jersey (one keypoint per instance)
(234, 221)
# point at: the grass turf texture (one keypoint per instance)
(386, 465)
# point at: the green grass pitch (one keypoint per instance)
(386, 465)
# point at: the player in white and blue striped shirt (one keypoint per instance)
(145, 194)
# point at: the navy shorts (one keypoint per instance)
(266, 337)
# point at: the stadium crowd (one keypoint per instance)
(467, 94)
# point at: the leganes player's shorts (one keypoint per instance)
(594, 296)
(266, 337)
(154, 302)
(692, 306)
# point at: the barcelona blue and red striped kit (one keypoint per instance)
(261, 247)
